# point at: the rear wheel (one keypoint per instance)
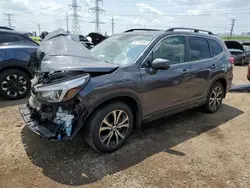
(14, 84)
(215, 97)
(109, 127)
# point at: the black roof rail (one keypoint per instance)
(131, 30)
(191, 29)
(3, 27)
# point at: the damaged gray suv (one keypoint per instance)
(128, 79)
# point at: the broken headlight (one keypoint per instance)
(62, 91)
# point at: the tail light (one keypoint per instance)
(231, 60)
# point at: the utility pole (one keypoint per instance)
(67, 22)
(39, 29)
(75, 22)
(10, 20)
(97, 10)
(113, 25)
(232, 28)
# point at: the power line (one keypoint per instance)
(10, 20)
(97, 10)
(75, 23)
(67, 22)
(232, 28)
(113, 25)
(177, 15)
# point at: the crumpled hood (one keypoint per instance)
(63, 53)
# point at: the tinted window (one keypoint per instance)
(198, 48)
(216, 48)
(9, 37)
(172, 49)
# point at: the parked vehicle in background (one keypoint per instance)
(88, 44)
(15, 53)
(126, 80)
(246, 46)
(43, 35)
(36, 39)
(96, 38)
(238, 52)
(30, 35)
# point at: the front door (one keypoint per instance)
(163, 89)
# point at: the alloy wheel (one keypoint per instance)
(114, 128)
(216, 98)
(14, 85)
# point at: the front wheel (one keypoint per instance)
(14, 84)
(215, 97)
(109, 127)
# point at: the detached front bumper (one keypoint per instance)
(45, 131)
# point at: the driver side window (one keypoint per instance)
(172, 49)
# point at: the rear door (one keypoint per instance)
(201, 67)
(164, 89)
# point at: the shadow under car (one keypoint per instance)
(75, 163)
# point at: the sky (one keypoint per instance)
(213, 15)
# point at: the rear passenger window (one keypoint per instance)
(216, 48)
(198, 48)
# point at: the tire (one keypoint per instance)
(97, 131)
(242, 62)
(218, 90)
(14, 84)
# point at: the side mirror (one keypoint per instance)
(159, 63)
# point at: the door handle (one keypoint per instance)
(213, 66)
(184, 70)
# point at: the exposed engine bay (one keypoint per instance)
(58, 109)
(57, 120)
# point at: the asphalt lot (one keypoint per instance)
(190, 149)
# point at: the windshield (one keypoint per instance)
(122, 49)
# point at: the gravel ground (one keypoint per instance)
(191, 149)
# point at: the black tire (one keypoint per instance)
(14, 84)
(92, 129)
(209, 106)
(242, 62)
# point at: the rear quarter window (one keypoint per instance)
(216, 48)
